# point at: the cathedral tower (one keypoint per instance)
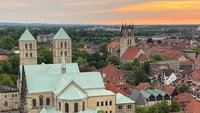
(61, 43)
(27, 49)
(127, 38)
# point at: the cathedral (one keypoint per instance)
(60, 87)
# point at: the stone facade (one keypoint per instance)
(125, 108)
(60, 45)
(28, 52)
(9, 101)
(127, 39)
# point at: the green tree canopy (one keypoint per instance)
(7, 42)
(183, 88)
(157, 57)
(7, 80)
(113, 59)
(45, 56)
(175, 106)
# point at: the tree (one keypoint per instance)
(150, 40)
(146, 66)
(7, 80)
(6, 43)
(183, 88)
(101, 111)
(82, 62)
(140, 75)
(157, 57)
(6, 67)
(141, 110)
(14, 61)
(113, 59)
(175, 106)
(45, 56)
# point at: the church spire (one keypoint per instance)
(63, 66)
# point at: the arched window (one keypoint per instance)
(26, 46)
(59, 106)
(65, 45)
(34, 102)
(41, 100)
(61, 45)
(47, 101)
(83, 105)
(66, 107)
(30, 45)
(130, 42)
(110, 102)
(75, 107)
(106, 103)
(5, 103)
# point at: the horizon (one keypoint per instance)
(106, 12)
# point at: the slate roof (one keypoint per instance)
(6, 89)
(121, 99)
(61, 34)
(26, 36)
(137, 97)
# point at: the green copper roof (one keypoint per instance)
(26, 36)
(49, 109)
(99, 92)
(48, 78)
(61, 34)
(121, 99)
(72, 92)
(145, 94)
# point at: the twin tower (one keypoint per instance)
(28, 48)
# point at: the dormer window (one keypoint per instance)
(63, 70)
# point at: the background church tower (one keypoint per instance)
(61, 43)
(127, 38)
(27, 49)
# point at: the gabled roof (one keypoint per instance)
(114, 89)
(26, 36)
(131, 53)
(121, 99)
(137, 97)
(193, 106)
(61, 34)
(143, 58)
(166, 88)
(113, 44)
(72, 92)
(143, 85)
(184, 97)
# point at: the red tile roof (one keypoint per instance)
(193, 106)
(113, 44)
(143, 85)
(166, 88)
(172, 54)
(3, 57)
(143, 58)
(184, 97)
(196, 74)
(131, 53)
(114, 89)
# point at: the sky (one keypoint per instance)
(101, 11)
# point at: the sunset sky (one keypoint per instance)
(101, 11)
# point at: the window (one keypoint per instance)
(128, 106)
(66, 107)
(34, 102)
(26, 46)
(5, 96)
(83, 105)
(120, 107)
(30, 45)
(97, 104)
(76, 107)
(65, 53)
(110, 102)
(61, 45)
(65, 45)
(5, 103)
(102, 103)
(110, 111)
(106, 103)
(30, 54)
(59, 106)
(26, 54)
(47, 101)
(41, 100)
(13, 95)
